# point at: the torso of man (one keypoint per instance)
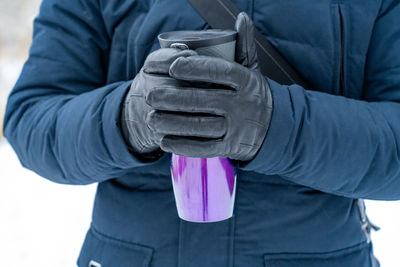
(276, 222)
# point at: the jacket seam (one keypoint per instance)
(328, 254)
(111, 238)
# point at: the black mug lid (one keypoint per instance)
(197, 39)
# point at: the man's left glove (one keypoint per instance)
(225, 108)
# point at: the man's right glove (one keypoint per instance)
(154, 74)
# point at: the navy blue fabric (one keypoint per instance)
(295, 201)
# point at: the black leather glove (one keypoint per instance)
(154, 73)
(224, 112)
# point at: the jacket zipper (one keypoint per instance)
(341, 77)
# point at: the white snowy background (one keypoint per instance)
(43, 224)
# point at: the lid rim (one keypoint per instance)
(207, 38)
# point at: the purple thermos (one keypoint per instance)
(204, 188)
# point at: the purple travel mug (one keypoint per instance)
(204, 188)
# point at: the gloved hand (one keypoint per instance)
(154, 73)
(225, 111)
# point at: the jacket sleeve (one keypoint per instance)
(61, 118)
(340, 145)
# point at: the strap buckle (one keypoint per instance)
(366, 224)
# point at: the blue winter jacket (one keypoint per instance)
(296, 200)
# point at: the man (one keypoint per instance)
(73, 118)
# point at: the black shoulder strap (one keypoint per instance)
(221, 14)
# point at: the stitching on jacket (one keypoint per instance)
(121, 242)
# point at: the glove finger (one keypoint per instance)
(209, 69)
(246, 51)
(186, 124)
(148, 81)
(194, 100)
(193, 147)
(160, 60)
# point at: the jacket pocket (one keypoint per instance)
(339, 15)
(101, 251)
(358, 255)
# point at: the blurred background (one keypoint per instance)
(43, 224)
